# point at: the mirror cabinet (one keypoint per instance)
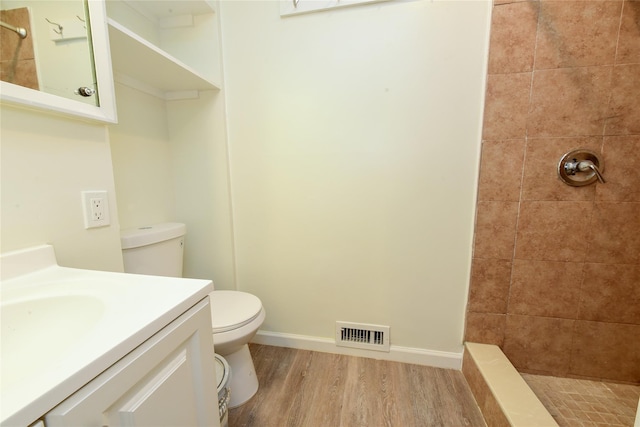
(62, 63)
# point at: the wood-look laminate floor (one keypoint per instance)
(300, 388)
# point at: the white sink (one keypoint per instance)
(61, 327)
(44, 324)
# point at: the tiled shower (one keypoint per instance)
(556, 269)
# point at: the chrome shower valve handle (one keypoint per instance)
(581, 167)
(587, 165)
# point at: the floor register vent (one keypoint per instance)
(361, 335)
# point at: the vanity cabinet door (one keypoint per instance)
(143, 405)
(169, 380)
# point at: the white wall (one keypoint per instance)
(354, 140)
(170, 165)
(46, 162)
(199, 160)
(141, 153)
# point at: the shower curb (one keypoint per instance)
(503, 396)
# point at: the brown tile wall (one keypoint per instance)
(556, 269)
(20, 70)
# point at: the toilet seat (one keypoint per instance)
(233, 309)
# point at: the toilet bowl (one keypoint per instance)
(157, 250)
(236, 317)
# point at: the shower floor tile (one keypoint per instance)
(582, 403)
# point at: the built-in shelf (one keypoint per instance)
(161, 9)
(137, 58)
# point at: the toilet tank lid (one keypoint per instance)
(149, 234)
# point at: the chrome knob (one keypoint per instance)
(85, 91)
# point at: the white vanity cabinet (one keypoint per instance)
(168, 380)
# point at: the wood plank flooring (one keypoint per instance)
(300, 388)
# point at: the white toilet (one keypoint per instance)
(157, 250)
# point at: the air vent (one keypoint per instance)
(360, 335)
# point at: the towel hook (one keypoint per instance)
(60, 28)
(84, 23)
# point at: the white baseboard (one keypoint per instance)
(418, 356)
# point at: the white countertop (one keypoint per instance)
(61, 327)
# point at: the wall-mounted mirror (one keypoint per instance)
(55, 55)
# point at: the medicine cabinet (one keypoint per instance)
(98, 90)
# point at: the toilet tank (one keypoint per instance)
(155, 250)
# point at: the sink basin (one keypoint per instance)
(44, 325)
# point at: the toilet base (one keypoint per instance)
(243, 382)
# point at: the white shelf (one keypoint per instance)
(157, 10)
(140, 60)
